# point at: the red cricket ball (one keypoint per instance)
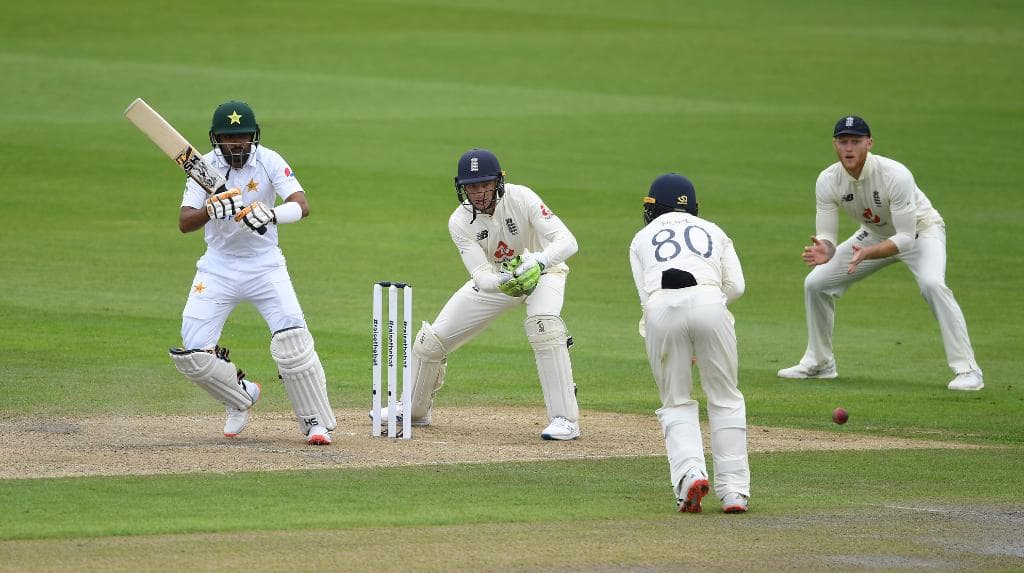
(839, 415)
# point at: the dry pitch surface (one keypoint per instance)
(117, 445)
(889, 536)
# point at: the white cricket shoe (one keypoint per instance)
(801, 372)
(967, 381)
(318, 436)
(735, 503)
(237, 419)
(561, 429)
(692, 488)
(424, 421)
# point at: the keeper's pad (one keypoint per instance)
(303, 377)
(430, 362)
(550, 342)
(213, 373)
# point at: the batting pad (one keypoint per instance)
(548, 337)
(218, 377)
(430, 367)
(304, 379)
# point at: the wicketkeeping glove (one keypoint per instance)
(528, 271)
(224, 205)
(256, 217)
(510, 285)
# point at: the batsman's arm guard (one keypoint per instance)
(550, 341)
(213, 372)
(431, 363)
(304, 379)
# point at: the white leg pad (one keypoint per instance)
(304, 379)
(549, 338)
(430, 362)
(217, 376)
(681, 426)
(729, 452)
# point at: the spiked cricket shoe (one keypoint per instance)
(238, 419)
(561, 429)
(802, 372)
(692, 488)
(735, 503)
(967, 381)
(318, 436)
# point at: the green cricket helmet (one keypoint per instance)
(233, 118)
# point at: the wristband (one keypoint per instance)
(288, 212)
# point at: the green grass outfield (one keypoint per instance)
(586, 102)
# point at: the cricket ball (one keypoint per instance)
(840, 416)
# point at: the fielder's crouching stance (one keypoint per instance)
(243, 263)
(686, 270)
(514, 248)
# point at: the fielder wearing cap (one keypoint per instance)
(897, 224)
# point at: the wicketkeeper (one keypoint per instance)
(243, 263)
(514, 248)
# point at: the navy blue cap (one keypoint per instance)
(851, 125)
(477, 166)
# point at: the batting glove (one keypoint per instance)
(224, 205)
(256, 217)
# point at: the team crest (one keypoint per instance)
(512, 227)
(878, 198)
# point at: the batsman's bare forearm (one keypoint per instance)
(192, 219)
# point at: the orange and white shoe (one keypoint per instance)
(735, 503)
(318, 436)
(692, 488)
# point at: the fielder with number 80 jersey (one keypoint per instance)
(686, 271)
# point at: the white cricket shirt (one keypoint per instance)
(885, 200)
(521, 224)
(265, 177)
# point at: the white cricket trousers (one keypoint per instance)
(691, 322)
(221, 283)
(926, 260)
(469, 312)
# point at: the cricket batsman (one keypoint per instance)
(243, 263)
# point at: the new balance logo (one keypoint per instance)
(481, 235)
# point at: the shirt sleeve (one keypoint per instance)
(561, 243)
(194, 196)
(484, 273)
(282, 177)
(826, 217)
(733, 284)
(903, 207)
(637, 266)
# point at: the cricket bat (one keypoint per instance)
(175, 146)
